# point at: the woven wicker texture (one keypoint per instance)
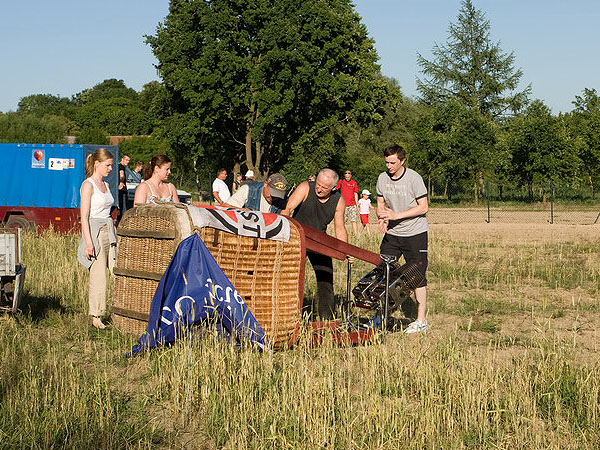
(267, 278)
(127, 325)
(267, 274)
(148, 256)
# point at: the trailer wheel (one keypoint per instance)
(20, 222)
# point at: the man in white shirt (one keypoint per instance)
(220, 190)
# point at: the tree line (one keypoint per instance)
(281, 85)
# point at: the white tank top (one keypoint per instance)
(153, 197)
(101, 202)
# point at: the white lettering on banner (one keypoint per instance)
(238, 298)
(227, 294)
(180, 301)
(216, 287)
(164, 319)
(167, 316)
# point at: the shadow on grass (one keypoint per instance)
(397, 320)
(38, 308)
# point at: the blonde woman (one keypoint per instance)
(154, 188)
(98, 235)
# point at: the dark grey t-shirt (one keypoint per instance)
(401, 194)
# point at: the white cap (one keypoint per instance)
(366, 192)
(249, 174)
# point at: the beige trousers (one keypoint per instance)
(97, 286)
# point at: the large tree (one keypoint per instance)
(116, 116)
(584, 128)
(114, 108)
(30, 128)
(456, 144)
(44, 104)
(472, 69)
(251, 82)
(540, 148)
(106, 90)
(108, 108)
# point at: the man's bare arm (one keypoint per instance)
(298, 196)
(338, 221)
(239, 199)
(381, 222)
(121, 179)
(421, 208)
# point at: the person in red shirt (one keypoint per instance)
(349, 190)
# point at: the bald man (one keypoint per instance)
(314, 203)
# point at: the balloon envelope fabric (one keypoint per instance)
(194, 289)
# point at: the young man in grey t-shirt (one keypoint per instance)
(401, 209)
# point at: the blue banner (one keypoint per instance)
(194, 289)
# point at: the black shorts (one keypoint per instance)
(413, 248)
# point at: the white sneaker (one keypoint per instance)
(416, 327)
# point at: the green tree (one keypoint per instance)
(455, 144)
(154, 102)
(264, 82)
(432, 158)
(141, 148)
(584, 128)
(113, 108)
(91, 135)
(107, 89)
(117, 116)
(44, 104)
(540, 148)
(472, 69)
(31, 129)
(362, 152)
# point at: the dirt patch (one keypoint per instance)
(536, 214)
(513, 233)
(536, 308)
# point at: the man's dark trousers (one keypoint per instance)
(324, 304)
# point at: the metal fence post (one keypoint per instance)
(551, 202)
(487, 199)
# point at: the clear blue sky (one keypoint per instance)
(65, 46)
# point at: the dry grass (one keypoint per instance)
(511, 362)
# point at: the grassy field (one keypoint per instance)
(511, 362)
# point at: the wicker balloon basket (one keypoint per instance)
(268, 274)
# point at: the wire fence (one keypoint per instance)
(487, 201)
(493, 202)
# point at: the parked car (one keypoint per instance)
(132, 179)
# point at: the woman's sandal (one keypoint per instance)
(97, 322)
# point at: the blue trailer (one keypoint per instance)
(42, 181)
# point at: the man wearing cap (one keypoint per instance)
(249, 177)
(268, 196)
(349, 190)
